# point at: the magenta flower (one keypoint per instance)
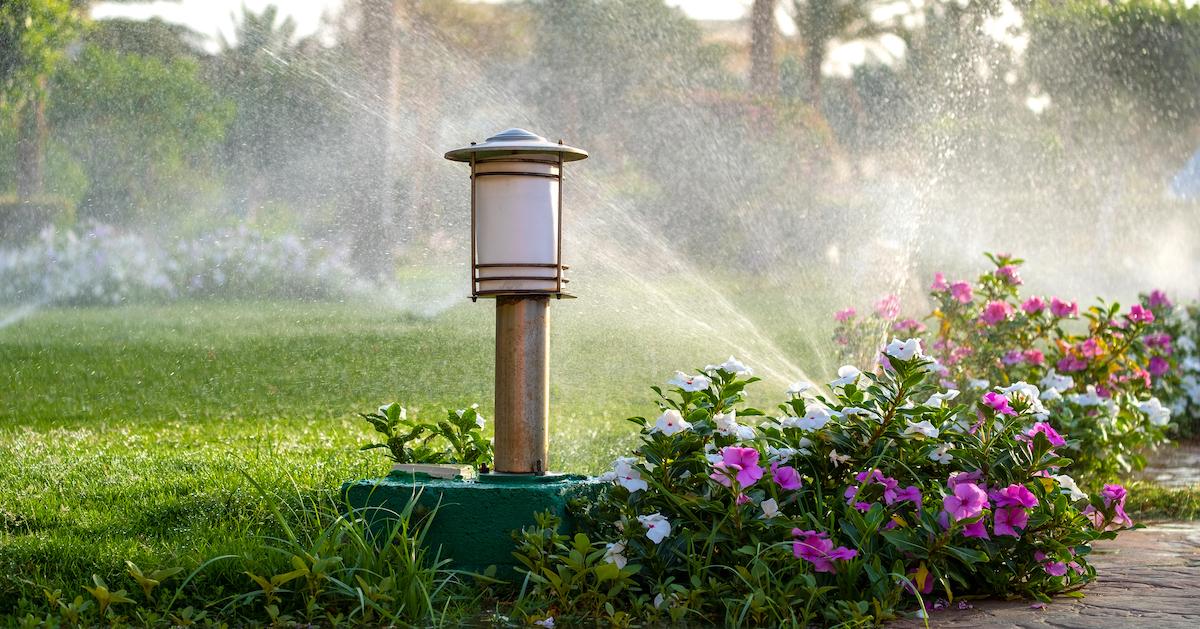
(786, 477)
(1034, 357)
(1053, 568)
(888, 307)
(740, 464)
(999, 403)
(843, 316)
(817, 549)
(1062, 309)
(995, 312)
(742, 499)
(976, 529)
(1015, 495)
(1089, 348)
(1158, 299)
(1139, 314)
(961, 291)
(1162, 341)
(957, 478)
(1009, 274)
(912, 493)
(1113, 492)
(967, 501)
(1158, 366)
(1012, 357)
(1114, 502)
(1071, 364)
(911, 326)
(1008, 519)
(939, 282)
(1033, 305)
(1046, 429)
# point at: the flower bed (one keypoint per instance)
(879, 492)
(1099, 370)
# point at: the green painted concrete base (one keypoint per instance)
(474, 520)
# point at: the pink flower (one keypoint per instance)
(1033, 305)
(843, 316)
(912, 493)
(939, 282)
(1113, 492)
(1015, 495)
(912, 326)
(1162, 341)
(1089, 348)
(967, 501)
(888, 307)
(995, 312)
(976, 529)
(957, 478)
(1071, 364)
(1051, 435)
(1062, 309)
(1139, 314)
(739, 463)
(1158, 299)
(786, 477)
(1008, 519)
(1053, 568)
(961, 291)
(817, 549)
(1009, 274)
(1158, 366)
(1012, 357)
(1034, 357)
(998, 402)
(742, 499)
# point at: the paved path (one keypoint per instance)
(1147, 578)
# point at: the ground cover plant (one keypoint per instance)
(1099, 369)
(839, 508)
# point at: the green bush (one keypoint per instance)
(20, 221)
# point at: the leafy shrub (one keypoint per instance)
(1098, 370)
(101, 265)
(21, 220)
(848, 503)
(1183, 338)
(456, 439)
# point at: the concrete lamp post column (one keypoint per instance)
(516, 259)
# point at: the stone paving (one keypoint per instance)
(1147, 578)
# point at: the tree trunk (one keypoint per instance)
(31, 145)
(814, 58)
(764, 71)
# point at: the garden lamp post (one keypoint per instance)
(516, 258)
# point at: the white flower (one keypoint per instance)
(733, 366)
(727, 425)
(710, 453)
(1029, 394)
(658, 600)
(938, 400)
(770, 508)
(1155, 412)
(798, 387)
(847, 374)
(615, 553)
(838, 459)
(941, 454)
(982, 385)
(548, 622)
(1062, 384)
(1091, 398)
(479, 420)
(1186, 344)
(923, 428)
(628, 476)
(1051, 395)
(815, 418)
(657, 527)
(904, 350)
(935, 366)
(671, 423)
(689, 383)
(1069, 487)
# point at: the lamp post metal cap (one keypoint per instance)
(514, 142)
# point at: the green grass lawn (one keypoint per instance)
(126, 433)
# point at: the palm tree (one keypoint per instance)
(819, 23)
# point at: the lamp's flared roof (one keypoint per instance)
(514, 142)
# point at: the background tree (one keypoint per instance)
(764, 65)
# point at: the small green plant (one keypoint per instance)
(456, 439)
